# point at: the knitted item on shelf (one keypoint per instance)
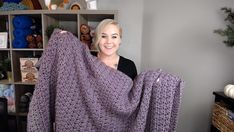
(12, 6)
(78, 92)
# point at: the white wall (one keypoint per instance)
(178, 37)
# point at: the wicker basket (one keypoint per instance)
(221, 119)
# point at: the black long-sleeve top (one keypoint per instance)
(126, 66)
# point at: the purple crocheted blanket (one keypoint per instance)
(79, 93)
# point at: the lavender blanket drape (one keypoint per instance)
(79, 93)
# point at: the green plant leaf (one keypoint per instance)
(228, 32)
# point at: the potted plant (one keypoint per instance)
(228, 32)
(5, 69)
(50, 29)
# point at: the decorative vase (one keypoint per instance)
(9, 76)
(47, 3)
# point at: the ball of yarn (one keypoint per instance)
(22, 21)
(20, 43)
(21, 33)
(12, 1)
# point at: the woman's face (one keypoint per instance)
(110, 40)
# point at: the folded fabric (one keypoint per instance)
(20, 43)
(12, 6)
(22, 21)
(79, 93)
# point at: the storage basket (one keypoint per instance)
(221, 118)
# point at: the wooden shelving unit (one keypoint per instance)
(69, 19)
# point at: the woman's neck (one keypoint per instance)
(111, 61)
(107, 57)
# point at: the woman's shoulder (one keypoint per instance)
(94, 53)
(126, 63)
(128, 67)
(126, 60)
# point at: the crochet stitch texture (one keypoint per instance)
(79, 93)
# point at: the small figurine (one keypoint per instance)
(39, 41)
(30, 77)
(85, 36)
(34, 41)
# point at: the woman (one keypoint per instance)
(108, 36)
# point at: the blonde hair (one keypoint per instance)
(101, 26)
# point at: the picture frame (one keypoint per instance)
(3, 39)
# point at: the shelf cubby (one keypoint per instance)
(69, 20)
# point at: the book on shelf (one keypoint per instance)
(29, 72)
